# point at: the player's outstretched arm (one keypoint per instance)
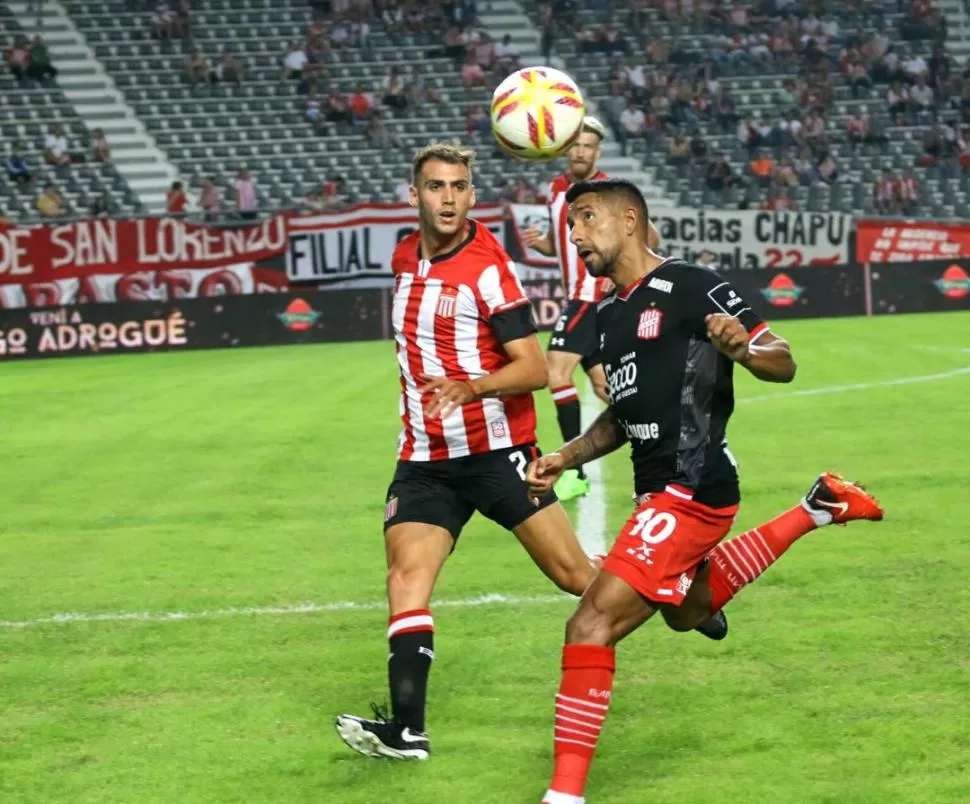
(524, 373)
(603, 436)
(768, 357)
(540, 242)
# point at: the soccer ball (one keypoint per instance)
(537, 113)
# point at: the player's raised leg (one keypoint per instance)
(737, 562)
(610, 609)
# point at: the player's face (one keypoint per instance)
(443, 194)
(596, 231)
(583, 155)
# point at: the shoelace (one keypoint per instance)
(380, 713)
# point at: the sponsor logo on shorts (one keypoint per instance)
(648, 328)
(390, 509)
(684, 583)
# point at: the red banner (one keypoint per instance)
(164, 285)
(879, 241)
(89, 247)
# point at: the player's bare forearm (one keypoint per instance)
(770, 361)
(603, 437)
(544, 245)
(525, 373)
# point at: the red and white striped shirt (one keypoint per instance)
(576, 280)
(907, 189)
(442, 315)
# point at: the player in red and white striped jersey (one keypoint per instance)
(574, 339)
(469, 360)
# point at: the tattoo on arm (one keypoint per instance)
(603, 436)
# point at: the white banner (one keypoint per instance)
(752, 238)
(734, 238)
(358, 242)
(164, 285)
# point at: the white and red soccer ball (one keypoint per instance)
(537, 113)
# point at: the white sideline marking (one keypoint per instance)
(591, 516)
(280, 611)
(862, 386)
(591, 526)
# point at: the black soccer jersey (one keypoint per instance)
(670, 389)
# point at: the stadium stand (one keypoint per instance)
(262, 121)
(800, 125)
(698, 53)
(32, 108)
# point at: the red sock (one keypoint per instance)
(739, 561)
(581, 706)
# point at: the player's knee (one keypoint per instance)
(574, 580)
(409, 581)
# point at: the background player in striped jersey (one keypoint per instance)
(469, 360)
(574, 338)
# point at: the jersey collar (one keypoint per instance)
(472, 231)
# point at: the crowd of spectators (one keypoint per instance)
(663, 94)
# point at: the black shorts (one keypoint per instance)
(446, 493)
(575, 331)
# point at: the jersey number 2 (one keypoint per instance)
(520, 462)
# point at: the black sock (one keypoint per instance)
(569, 413)
(407, 672)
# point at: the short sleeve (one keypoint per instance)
(499, 289)
(711, 293)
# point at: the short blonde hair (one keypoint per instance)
(450, 152)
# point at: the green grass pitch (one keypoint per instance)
(201, 482)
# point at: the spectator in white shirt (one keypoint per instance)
(294, 61)
(631, 124)
(922, 98)
(402, 192)
(915, 67)
(57, 147)
(244, 190)
(506, 54)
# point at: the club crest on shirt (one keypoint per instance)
(447, 305)
(498, 429)
(648, 328)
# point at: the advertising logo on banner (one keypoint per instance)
(358, 242)
(736, 238)
(921, 287)
(782, 291)
(880, 241)
(955, 282)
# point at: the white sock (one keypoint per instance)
(552, 797)
(819, 516)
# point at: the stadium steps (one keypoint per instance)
(99, 104)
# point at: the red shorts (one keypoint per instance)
(663, 543)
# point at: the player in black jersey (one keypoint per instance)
(668, 341)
